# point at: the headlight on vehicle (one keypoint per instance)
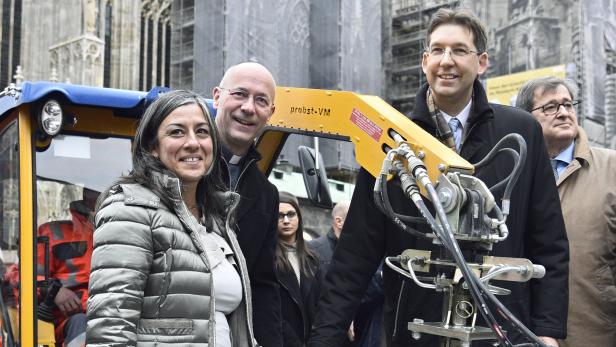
(51, 117)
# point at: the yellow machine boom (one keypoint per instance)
(365, 120)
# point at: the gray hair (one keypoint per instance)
(526, 94)
(341, 209)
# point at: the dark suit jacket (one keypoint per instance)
(324, 247)
(257, 220)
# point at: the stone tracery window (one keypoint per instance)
(155, 43)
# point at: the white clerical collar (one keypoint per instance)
(235, 159)
(462, 116)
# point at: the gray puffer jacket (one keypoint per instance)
(150, 281)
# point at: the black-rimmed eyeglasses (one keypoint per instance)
(458, 52)
(552, 108)
(290, 215)
(242, 95)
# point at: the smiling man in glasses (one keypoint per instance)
(453, 107)
(587, 188)
(244, 102)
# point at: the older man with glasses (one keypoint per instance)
(244, 102)
(586, 181)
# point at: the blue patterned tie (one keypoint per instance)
(554, 163)
(454, 124)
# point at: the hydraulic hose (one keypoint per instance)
(517, 169)
(516, 157)
(477, 289)
(452, 246)
(388, 210)
(443, 232)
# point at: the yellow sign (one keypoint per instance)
(503, 89)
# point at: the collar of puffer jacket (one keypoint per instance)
(231, 199)
(139, 195)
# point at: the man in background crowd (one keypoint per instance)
(586, 181)
(324, 245)
(366, 326)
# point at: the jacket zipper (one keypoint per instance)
(185, 217)
(239, 178)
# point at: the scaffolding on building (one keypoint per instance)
(182, 43)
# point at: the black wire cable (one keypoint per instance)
(511, 181)
(449, 244)
(505, 313)
(516, 157)
(388, 210)
(473, 281)
(518, 166)
(477, 289)
(452, 246)
(378, 197)
(488, 158)
(411, 219)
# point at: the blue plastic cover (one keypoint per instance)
(77, 94)
(84, 95)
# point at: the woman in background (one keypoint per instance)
(297, 270)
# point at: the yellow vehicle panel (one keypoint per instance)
(364, 120)
(26, 268)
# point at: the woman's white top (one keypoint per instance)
(291, 253)
(227, 284)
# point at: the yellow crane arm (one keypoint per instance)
(365, 120)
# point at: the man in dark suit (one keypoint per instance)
(244, 102)
(455, 56)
